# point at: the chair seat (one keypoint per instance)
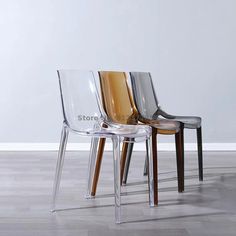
(164, 126)
(128, 131)
(189, 122)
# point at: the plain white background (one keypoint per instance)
(189, 46)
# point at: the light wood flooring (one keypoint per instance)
(204, 209)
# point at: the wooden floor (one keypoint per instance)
(204, 209)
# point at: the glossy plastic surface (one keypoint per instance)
(147, 103)
(84, 115)
(116, 97)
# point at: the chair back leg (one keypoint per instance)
(127, 163)
(155, 165)
(145, 167)
(101, 146)
(199, 145)
(123, 158)
(91, 165)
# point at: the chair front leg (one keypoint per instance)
(117, 187)
(150, 172)
(60, 161)
(179, 160)
(199, 145)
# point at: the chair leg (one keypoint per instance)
(116, 162)
(123, 158)
(179, 160)
(101, 146)
(155, 167)
(200, 161)
(150, 172)
(182, 142)
(127, 163)
(91, 164)
(60, 161)
(145, 167)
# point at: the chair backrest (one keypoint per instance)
(144, 94)
(80, 103)
(116, 97)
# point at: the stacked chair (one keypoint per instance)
(114, 113)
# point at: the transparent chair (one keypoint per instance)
(119, 107)
(149, 109)
(83, 115)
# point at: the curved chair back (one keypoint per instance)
(77, 89)
(144, 94)
(116, 97)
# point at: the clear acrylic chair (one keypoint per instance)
(149, 109)
(119, 107)
(83, 115)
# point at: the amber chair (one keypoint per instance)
(149, 109)
(120, 108)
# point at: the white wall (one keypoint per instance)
(188, 45)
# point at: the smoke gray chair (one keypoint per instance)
(149, 109)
